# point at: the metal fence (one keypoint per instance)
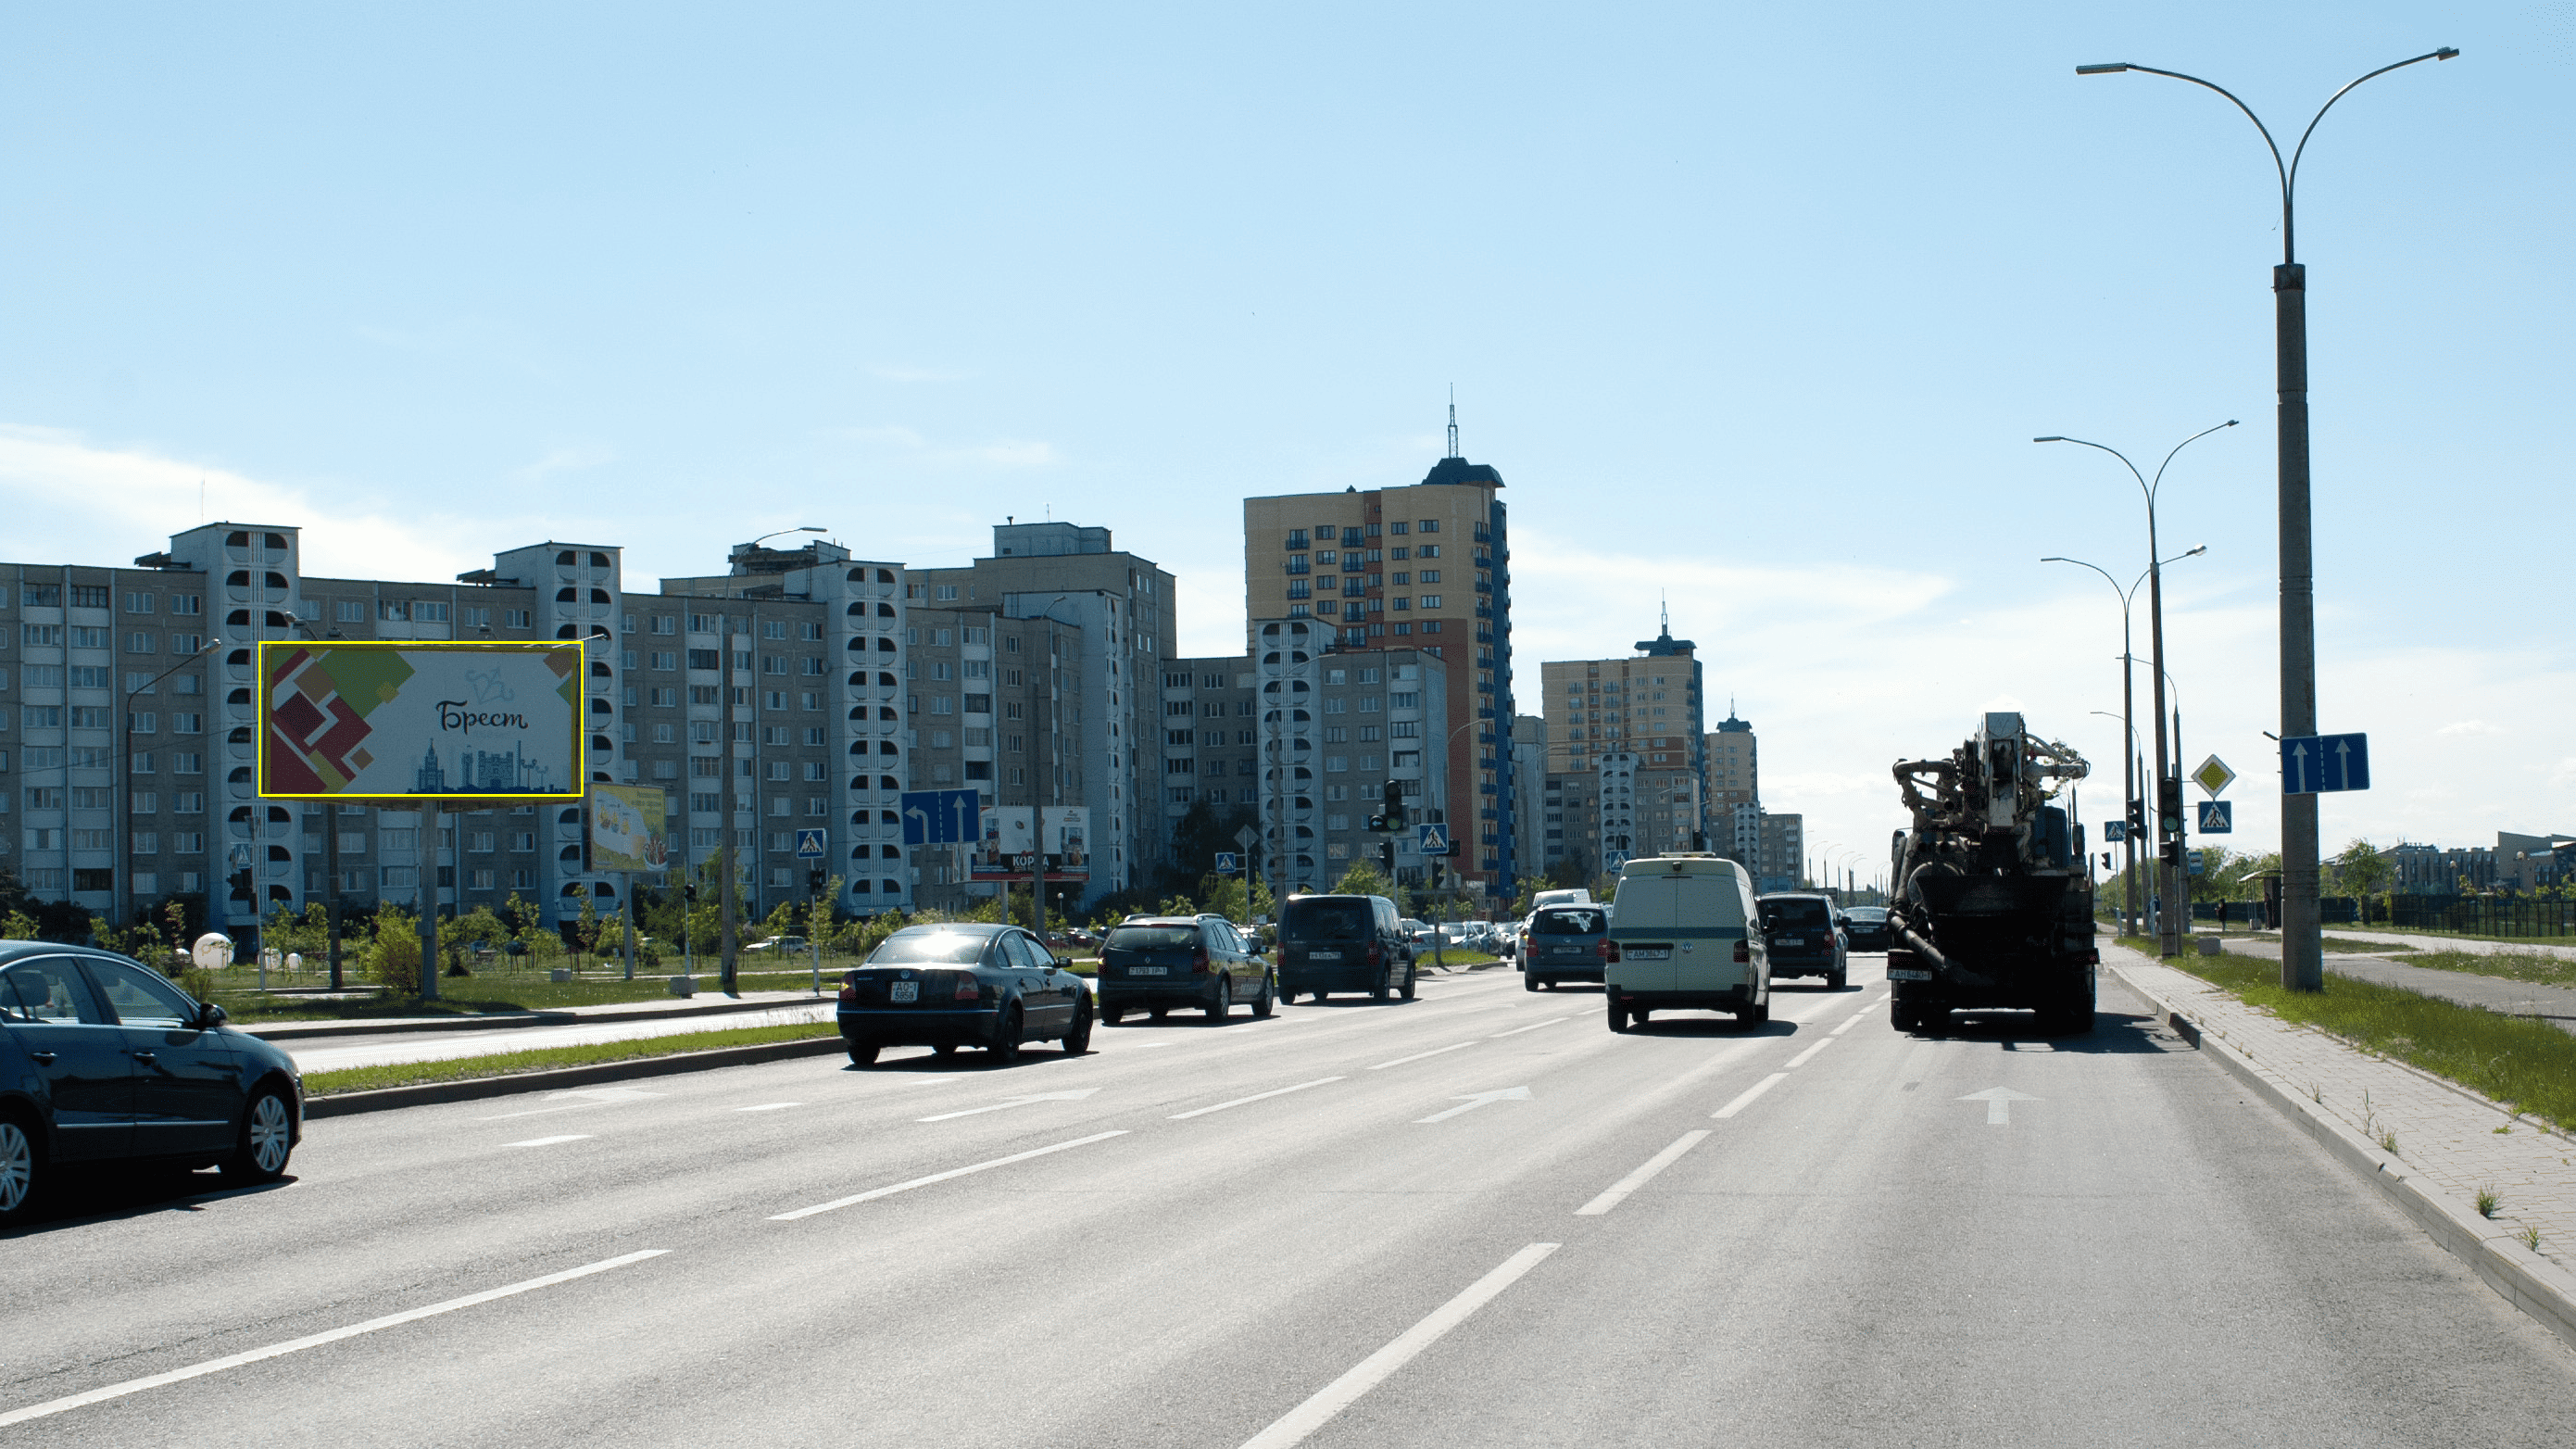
(2477, 915)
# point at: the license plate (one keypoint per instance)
(1905, 975)
(1790, 941)
(903, 991)
(1649, 953)
(1323, 955)
(1149, 970)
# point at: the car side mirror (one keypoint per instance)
(1063, 963)
(209, 1016)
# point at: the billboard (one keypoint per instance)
(629, 828)
(382, 721)
(1013, 834)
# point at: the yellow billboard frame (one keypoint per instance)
(578, 787)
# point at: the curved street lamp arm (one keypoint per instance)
(2178, 447)
(2124, 462)
(2278, 168)
(2290, 183)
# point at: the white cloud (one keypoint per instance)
(2469, 727)
(68, 499)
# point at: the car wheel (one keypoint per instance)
(1835, 979)
(1408, 981)
(19, 1169)
(1158, 1013)
(863, 1056)
(1618, 1017)
(944, 1049)
(1756, 1016)
(1078, 1040)
(1113, 1014)
(1269, 995)
(1006, 1039)
(1901, 1018)
(1224, 1003)
(267, 1136)
(1317, 995)
(1379, 991)
(1641, 1016)
(1530, 983)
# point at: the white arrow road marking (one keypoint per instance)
(550, 1141)
(1294, 1426)
(1505, 1094)
(296, 1345)
(1998, 1102)
(1075, 1095)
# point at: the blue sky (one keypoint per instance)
(1756, 306)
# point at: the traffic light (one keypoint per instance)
(2169, 806)
(2106, 860)
(1377, 823)
(2137, 820)
(689, 892)
(814, 881)
(1386, 856)
(1394, 798)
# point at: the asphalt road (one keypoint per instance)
(1326, 1228)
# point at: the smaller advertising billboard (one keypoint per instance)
(378, 720)
(1018, 838)
(629, 828)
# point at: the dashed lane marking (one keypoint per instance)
(1255, 1097)
(955, 1172)
(1618, 1191)
(1745, 1099)
(551, 1141)
(1801, 1058)
(1417, 1056)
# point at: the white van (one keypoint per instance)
(1684, 934)
(1579, 896)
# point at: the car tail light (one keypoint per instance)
(1609, 952)
(849, 991)
(1199, 962)
(1376, 953)
(968, 989)
(1744, 953)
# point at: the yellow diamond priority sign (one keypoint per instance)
(2214, 776)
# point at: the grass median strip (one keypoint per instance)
(542, 1059)
(2528, 1065)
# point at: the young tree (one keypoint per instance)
(1363, 879)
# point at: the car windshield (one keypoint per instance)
(1147, 938)
(1793, 913)
(1326, 920)
(938, 948)
(1569, 923)
(1867, 915)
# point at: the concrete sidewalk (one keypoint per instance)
(705, 1003)
(2553, 1004)
(2434, 943)
(2447, 1148)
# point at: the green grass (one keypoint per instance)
(2528, 1065)
(2534, 967)
(2333, 946)
(509, 1064)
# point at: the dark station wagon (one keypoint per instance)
(960, 984)
(102, 1060)
(1564, 944)
(1201, 963)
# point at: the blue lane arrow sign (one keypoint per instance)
(1431, 839)
(2217, 817)
(941, 817)
(2321, 764)
(1227, 861)
(809, 845)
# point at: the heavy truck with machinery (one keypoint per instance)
(1991, 896)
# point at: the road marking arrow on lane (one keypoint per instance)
(1072, 1096)
(1506, 1094)
(1998, 1102)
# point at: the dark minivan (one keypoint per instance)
(1804, 937)
(1154, 963)
(102, 1060)
(1345, 944)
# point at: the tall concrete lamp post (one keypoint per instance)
(2302, 944)
(2168, 938)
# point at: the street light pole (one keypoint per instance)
(2302, 929)
(122, 902)
(2128, 713)
(2169, 941)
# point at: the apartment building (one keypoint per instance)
(993, 705)
(1425, 567)
(1732, 772)
(1335, 725)
(1637, 719)
(1211, 745)
(1529, 777)
(1122, 606)
(1780, 863)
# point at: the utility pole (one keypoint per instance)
(725, 890)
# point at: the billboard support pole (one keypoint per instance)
(626, 888)
(427, 856)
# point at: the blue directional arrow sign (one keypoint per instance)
(809, 845)
(2115, 831)
(2217, 817)
(942, 817)
(2319, 764)
(1227, 860)
(1431, 839)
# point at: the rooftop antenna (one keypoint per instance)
(1668, 612)
(1453, 420)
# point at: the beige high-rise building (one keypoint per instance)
(1640, 717)
(1733, 774)
(1426, 567)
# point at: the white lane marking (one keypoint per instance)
(1998, 1102)
(297, 1345)
(551, 1141)
(1533, 1026)
(1479, 1099)
(1417, 1056)
(1858, 1016)
(590, 1097)
(770, 1107)
(1746, 1099)
(1076, 1095)
(1293, 1426)
(1255, 1097)
(874, 1193)
(1822, 1042)
(1619, 1190)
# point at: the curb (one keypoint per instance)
(2543, 1290)
(292, 1030)
(427, 1094)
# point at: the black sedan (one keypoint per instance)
(102, 1060)
(956, 984)
(1865, 927)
